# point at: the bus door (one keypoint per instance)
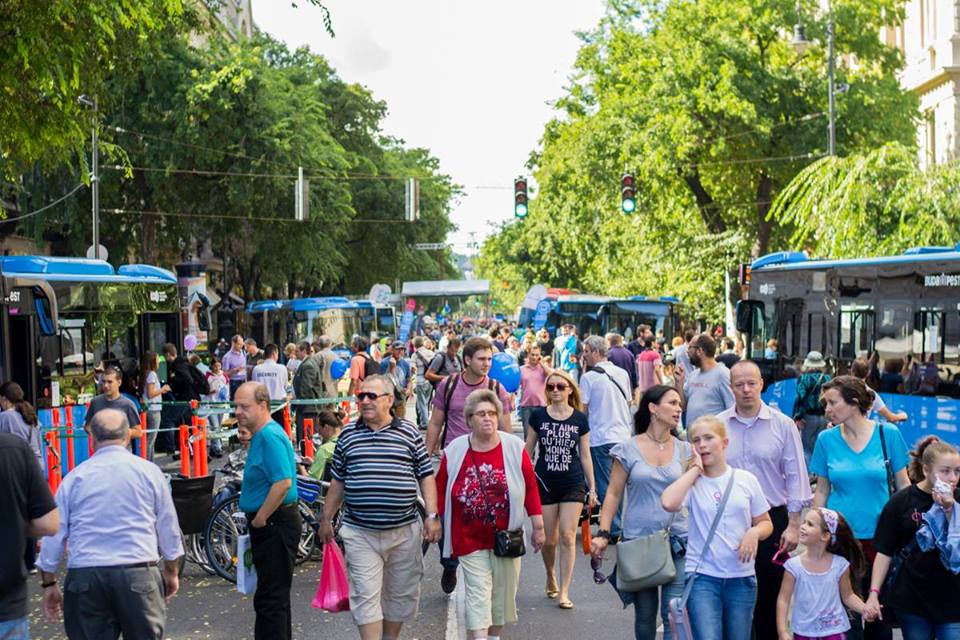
(157, 329)
(756, 327)
(857, 334)
(789, 331)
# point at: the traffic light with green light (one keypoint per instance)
(520, 198)
(628, 193)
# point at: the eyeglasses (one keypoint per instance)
(598, 576)
(371, 396)
(485, 414)
(559, 386)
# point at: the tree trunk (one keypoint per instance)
(761, 244)
(709, 211)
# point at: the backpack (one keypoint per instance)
(370, 366)
(452, 381)
(442, 356)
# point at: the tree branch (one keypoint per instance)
(709, 211)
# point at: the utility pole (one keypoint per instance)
(91, 103)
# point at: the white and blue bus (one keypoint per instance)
(906, 308)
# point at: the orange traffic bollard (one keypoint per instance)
(345, 407)
(143, 435)
(68, 412)
(55, 416)
(202, 447)
(89, 439)
(286, 419)
(197, 467)
(53, 461)
(71, 462)
(308, 437)
(184, 451)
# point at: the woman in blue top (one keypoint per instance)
(851, 471)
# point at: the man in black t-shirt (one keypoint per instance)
(29, 510)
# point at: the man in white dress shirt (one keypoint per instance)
(116, 511)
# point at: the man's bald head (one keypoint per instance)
(252, 404)
(745, 368)
(109, 424)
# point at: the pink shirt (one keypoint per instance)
(647, 363)
(456, 424)
(532, 382)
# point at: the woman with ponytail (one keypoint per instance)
(19, 417)
(912, 546)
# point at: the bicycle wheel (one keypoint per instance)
(224, 527)
(196, 552)
(308, 536)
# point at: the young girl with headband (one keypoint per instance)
(820, 578)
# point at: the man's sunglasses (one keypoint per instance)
(598, 576)
(371, 396)
(559, 386)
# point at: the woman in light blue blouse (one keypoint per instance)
(852, 471)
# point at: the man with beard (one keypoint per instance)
(706, 389)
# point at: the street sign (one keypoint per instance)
(429, 246)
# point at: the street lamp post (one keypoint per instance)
(91, 103)
(800, 44)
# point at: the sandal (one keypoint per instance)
(565, 604)
(552, 592)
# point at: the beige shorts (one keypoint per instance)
(490, 589)
(385, 568)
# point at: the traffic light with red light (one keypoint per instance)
(628, 193)
(520, 198)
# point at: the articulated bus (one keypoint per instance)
(286, 321)
(64, 316)
(902, 306)
(598, 315)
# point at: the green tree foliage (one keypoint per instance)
(207, 142)
(51, 52)
(716, 112)
(874, 203)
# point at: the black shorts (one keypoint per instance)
(556, 495)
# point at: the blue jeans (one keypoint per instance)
(722, 608)
(917, 628)
(16, 629)
(424, 392)
(645, 605)
(525, 413)
(602, 466)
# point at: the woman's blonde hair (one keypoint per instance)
(477, 398)
(574, 398)
(711, 422)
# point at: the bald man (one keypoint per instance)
(767, 443)
(268, 496)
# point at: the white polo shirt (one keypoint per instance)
(273, 375)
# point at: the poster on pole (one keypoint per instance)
(406, 323)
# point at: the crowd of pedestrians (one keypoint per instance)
(702, 489)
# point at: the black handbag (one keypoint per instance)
(508, 543)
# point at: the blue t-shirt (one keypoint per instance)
(858, 481)
(270, 459)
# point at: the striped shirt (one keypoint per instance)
(380, 471)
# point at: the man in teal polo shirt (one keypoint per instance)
(269, 498)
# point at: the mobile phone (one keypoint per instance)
(942, 487)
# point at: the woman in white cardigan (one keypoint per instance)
(487, 482)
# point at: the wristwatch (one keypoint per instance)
(47, 585)
(602, 533)
(432, 516)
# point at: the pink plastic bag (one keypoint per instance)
(333, 592)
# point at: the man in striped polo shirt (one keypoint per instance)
(376, 467)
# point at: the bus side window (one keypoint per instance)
(856, 331)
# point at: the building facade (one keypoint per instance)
(930, 41)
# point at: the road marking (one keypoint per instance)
(456, 618)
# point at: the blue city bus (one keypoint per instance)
(906, 308)
(624, 315)
(581, 310)
(285, 321)
(65, 317)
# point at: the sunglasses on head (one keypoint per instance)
(557, 386)
(369, 395)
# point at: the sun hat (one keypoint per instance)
(814, 360)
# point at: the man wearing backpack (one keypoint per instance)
(448, 422)
(361, 365)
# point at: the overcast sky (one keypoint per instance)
(469, 80)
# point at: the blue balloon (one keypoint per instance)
(506, 371)
(339, 368)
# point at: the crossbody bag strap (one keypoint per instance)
(706, 543)
(887, 465)
(615, 383)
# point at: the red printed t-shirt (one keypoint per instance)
(471, 529)
(647, 363)
(456, 425)
(533, 380)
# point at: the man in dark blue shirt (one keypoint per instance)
(269, 498)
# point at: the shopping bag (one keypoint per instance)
(680, 627)
(585, 536)
(333, 591)
(246, 572)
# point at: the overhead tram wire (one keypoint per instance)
(746, 132)
(227, 216)
(45, 207)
